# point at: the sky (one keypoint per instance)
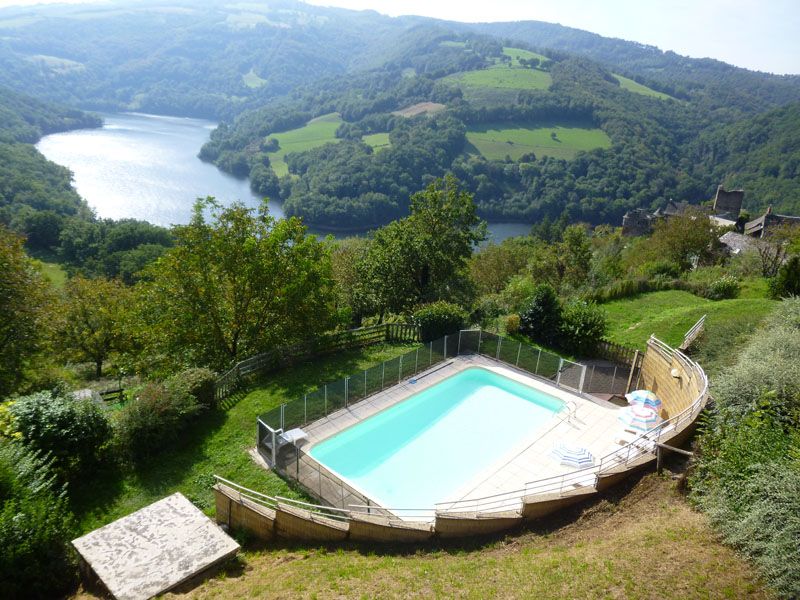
(756, 34)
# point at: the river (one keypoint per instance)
(145, 167)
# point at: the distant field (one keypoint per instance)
(378, 141)
(670, 314)
(638, 88)
(517, 78)
(495, 141)
(420, 108)
(252, 80)
(517, 53)
(452, 44)
(316, 132)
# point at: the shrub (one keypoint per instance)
(154, 418)
(541, 318)
(488, 308)
(512, 324)
(439, 319)
(664, 268)
(198, 382)
(35, 527)
(73, 432)
(519, 290)
(583, 325)
(726, 286)
(787, 282)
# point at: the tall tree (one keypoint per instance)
(92, 324)
(240, 284)
(24, 297)
(423, 257)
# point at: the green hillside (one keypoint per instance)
(638, 88)
(495, 141)
(316, 132)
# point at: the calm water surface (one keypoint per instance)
(146, 167)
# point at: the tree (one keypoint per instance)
(422, 258)
(91, 326)
(787, 282)
(541, 319)
(240, 284)
(774, 248)
(24, 297)
(686, 240)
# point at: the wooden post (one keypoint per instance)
(633, 368)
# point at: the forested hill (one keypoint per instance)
(34, 192)
(715, 83)
(25, 119)
(531, 135)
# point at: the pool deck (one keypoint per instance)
(593, 424)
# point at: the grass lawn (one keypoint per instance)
(378, 141)
(638, 88)
(496, 140)
(671, 313)
(641, 540)
(215, 444)
(316, 132)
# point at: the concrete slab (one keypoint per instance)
(155, 549)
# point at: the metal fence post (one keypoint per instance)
(445, 347)
(326, 399)
(560, 366)
(305, 409)
(400, 369)
(519, 351)
(499, 343)
(538, 358)
(383, 373)
(274, 450)
(458, 348)
(365, 383)
(345, 391)
(282, 407)
(480, 334)
(430, 353)
(583, 378)
(416, 361)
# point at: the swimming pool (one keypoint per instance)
(422, 450)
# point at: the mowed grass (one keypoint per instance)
(316, 132)
(670, 314)
(378, 141)
(638, 88)
(216, 443)
(495, 141)
(641, 540)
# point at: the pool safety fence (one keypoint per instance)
(535, 498)
(261, 364)
(342, 394)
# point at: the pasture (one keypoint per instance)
(378, 141)
(420, 108)
(316, 132)
(495, 141)
(638, 88)
(251, 80)
(516, 53)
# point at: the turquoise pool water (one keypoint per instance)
(422, 450)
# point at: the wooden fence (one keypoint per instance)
(257, 365)
(616, 353)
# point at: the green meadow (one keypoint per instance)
(316, 132)
(502, 77)
(638, 88)
(516, 53)
(495, 141)
(378, 141)
(251, 80)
